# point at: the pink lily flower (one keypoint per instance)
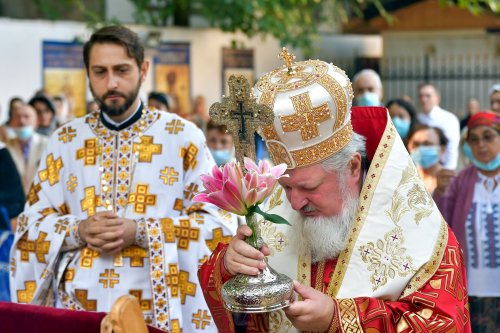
(228, 189)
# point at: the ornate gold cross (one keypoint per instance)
(242, 115)
(306, 118)
(288, 58)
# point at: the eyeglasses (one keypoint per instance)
(487, 138)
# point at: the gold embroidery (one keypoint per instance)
(306, 118)
(415, 199)
(316, 69)
(420, 201)
(61, 226)
(145, 304)
(168, 228)
(189, 156)
(141, 198)
(22, 223)
(176, 326)
(63, 209)
(26, 295)
(198, 218)
(72, 183)
(324, 149)
(178, 205)
(278, 153)
(185, 233)
(146, 148)
(338, 96)
(275, 200)
(87, 257)
(349, 317)
(52, 171)
(196, 207)
(91, 201)
(40, 247)
(187, 287)
(373, 176)
(269, 133)
(175, 126)
(277, 241)
(109, 278)
(82, 297)
(169, 176)
(91, 149)
(429, 269)
(386, 258)
(217, 237)
(278, 322)
(173, 279)
(67, 134)
(136, 255)
(201, 319)
(225, 215)
(69, 275)
(33, 194)
(190, 191)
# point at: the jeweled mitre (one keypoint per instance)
(311, 101)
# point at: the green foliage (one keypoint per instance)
(476, 7)
(293, 22)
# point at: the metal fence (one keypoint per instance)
(458, 78)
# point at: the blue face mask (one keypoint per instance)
(425, 156)
(490, 166)
(402, 126)
(222, 156)
(368, 99)
(24, 133)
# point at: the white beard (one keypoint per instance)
(325, 237)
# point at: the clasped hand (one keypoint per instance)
(313, 313)
(106, 232)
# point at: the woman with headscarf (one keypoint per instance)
(470, 202)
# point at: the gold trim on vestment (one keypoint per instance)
(429, 269)
(365, 198)
(349, 317)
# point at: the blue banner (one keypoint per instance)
(62, 55)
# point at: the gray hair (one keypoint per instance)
(339, 163)
(368, 72)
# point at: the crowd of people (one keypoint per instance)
(458, 161)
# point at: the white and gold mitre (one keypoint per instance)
(311, 101)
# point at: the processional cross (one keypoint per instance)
(242, 115)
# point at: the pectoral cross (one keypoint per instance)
(242, 115)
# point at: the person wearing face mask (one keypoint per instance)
(403, 115)
(27, 146)
(220, 143)
(367, 87)
(426, 146)
(470, 202)
(433, 115)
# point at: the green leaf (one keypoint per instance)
(271, 217)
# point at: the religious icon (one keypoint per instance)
(241, 190)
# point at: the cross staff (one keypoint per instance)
(242, 115)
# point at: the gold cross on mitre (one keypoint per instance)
(288, 58)
(242, 115)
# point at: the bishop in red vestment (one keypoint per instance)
(368, 247)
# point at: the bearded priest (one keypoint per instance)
(368, 247)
